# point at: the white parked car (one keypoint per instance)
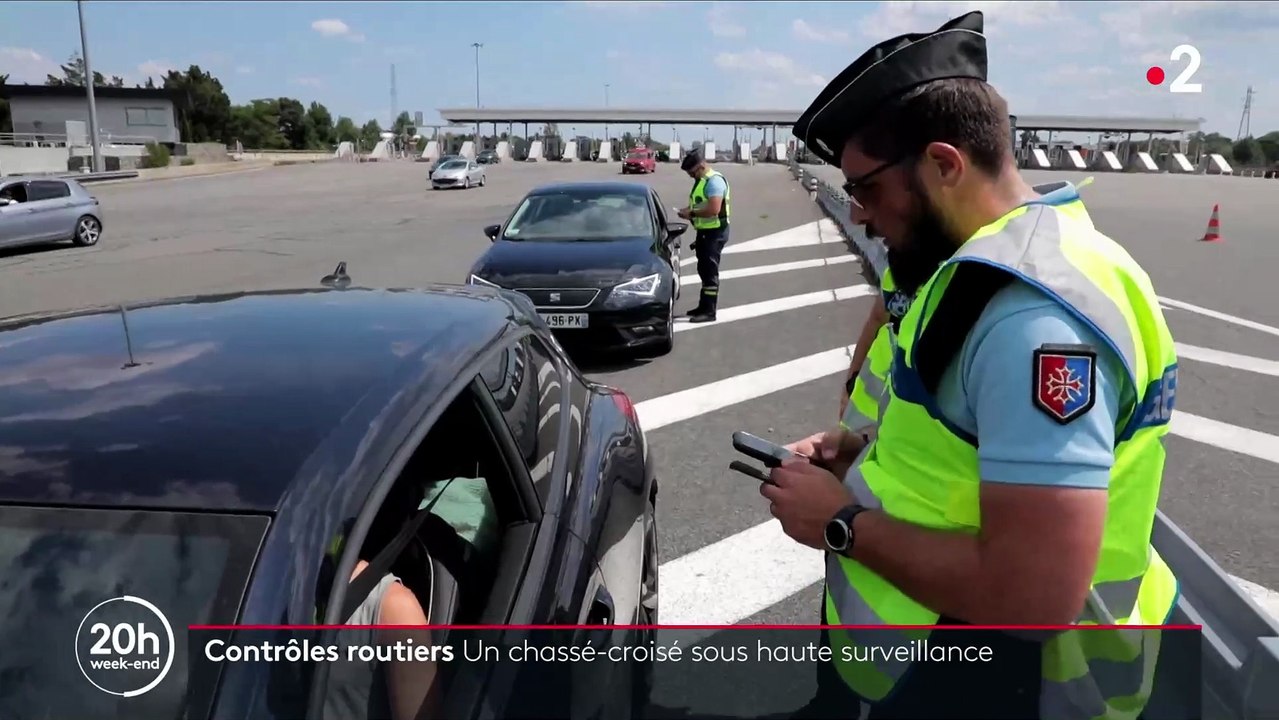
(461, 173)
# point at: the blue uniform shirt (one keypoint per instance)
(716, 186)
(987, 391)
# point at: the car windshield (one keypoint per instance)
(453, 165)
(60, 563)
(637, 155)
(570, 216)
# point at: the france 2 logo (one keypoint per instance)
(1065, 380)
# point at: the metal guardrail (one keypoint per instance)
(96, 177)
(1239, 666)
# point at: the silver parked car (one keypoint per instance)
(45, 209)
(461, 173)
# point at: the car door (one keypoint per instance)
(476, 171)
(52, 208)
(17, 218)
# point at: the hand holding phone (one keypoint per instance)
(769, 453)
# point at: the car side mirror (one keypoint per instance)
(491, 232)
(676, 229)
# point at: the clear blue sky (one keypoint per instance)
(1067, 58)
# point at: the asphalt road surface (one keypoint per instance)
(792, 300)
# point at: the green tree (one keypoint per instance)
(257, 125)
(1248, 152)
(370, 134)
(319, 123)
(292, 120)
(345, 130)
(204, 109)
(1270, 146)
(403, 124)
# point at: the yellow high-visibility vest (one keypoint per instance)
(697, 198)
(920, 470)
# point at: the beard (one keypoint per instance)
(927, 245)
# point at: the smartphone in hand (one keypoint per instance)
(769, 453)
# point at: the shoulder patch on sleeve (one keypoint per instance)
(1065, 380)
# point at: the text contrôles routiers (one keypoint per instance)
(476, 650)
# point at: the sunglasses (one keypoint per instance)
(853, 188)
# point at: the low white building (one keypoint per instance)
(126, 116)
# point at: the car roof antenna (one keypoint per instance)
(128, 342)
(339, 278)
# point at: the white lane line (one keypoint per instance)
(1234, 438)
(728, 581)
(687, 280)
(737, 577)
(1220, 316)
(687, 404)
(742, 575)
(1228, 359)
(818, 232)
(782, 304)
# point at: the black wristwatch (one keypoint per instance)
(839, 531)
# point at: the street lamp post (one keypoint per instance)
(606, 107)
(477, 47)
(88, 84)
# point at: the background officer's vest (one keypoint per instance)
(869, 387)
(697, 198)
(925, 471)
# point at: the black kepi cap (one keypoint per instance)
(691, 159)
(954, 50)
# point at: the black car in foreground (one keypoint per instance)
(599, 260)
(228, 458)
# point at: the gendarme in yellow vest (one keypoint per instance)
(868, 388)
(918, 469)
(697, 199)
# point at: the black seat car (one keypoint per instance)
(599, 260)
(229, 459)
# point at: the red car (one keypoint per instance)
(640, 160)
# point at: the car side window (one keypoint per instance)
(47, 190)
(528, 388)
(660, 217)
(16, 192)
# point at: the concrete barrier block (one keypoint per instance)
(504, 149)
(1178, 163)
(1215, 164)
(432, 150)
(606, 151)
(675, 152)
(708, 152)
(1142, 162)
(534, 151)
(1106, 160)
(1038, 159)
(468, 150)
(1071, 160)
(570, 151)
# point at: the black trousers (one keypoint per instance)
(1006, 688)
(710, 244)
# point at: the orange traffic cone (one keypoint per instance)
(1213, 234)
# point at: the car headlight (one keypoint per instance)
(477, 280)
(639, 287)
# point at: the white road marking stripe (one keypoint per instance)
(1234, 438)
(744, 574)
(1219, 316)
(732, 579)
(728, 581)
(754, 270)
(1228, 359)
(818, 232)
(782, 304)
(686, 404)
